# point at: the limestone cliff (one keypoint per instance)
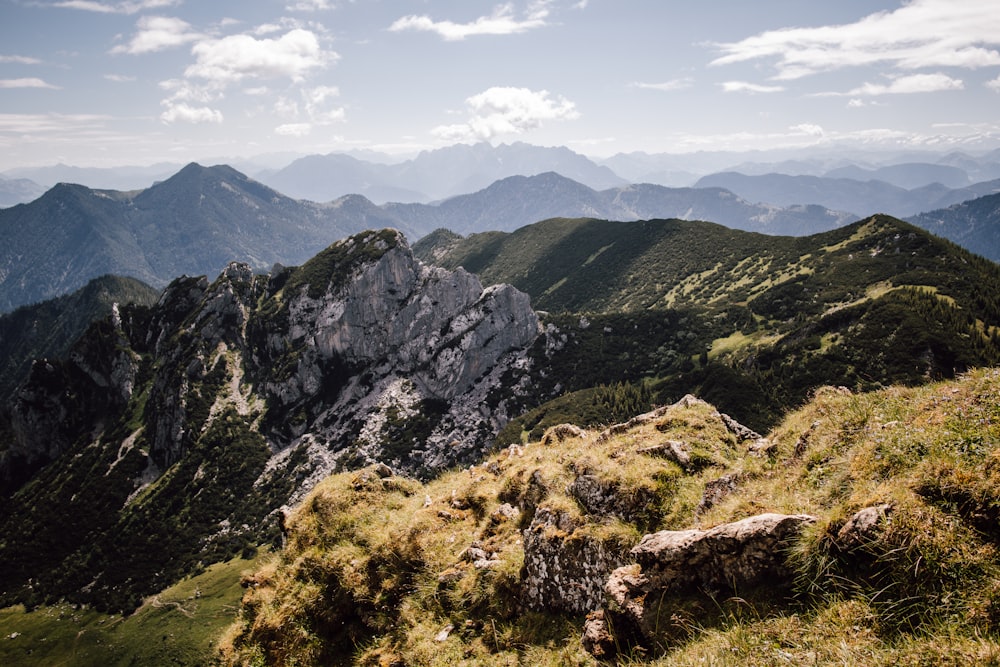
(228, 400)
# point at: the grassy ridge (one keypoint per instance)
(375, 571)
(180, 625)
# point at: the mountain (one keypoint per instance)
(433, 175)
(176, 436)
(47, 329)
(521, 200)
(193, 223)
(326, 177)
(974, 224)
(18, 191)
(875, 299)
(844, 194)
(908, 176)
(99, 178)
(200, 218)
(44, 333)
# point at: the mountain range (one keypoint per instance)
(201, 218)
(460, 169)
(173, 435)
(433, 175)
(846, 194)
(193, 223)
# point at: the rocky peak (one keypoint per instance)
(386, 338)
(233, 398)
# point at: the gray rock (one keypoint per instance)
(673, 567)
(564, 566)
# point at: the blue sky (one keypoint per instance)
(115, 82)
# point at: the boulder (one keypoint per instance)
(674, 568)
(565, 565)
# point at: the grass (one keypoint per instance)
(378, 569)
(181, 625)
(375, 569)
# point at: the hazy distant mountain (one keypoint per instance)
(844, 194)
(974, 225)
(983, 168)
(433, 174)
(517, 201)
(18, 191)
(102, 178)
(463, 168)
(193, 223)
(907, 176)
(322, 178)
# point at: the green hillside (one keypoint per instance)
(748, 321)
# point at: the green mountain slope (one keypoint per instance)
(178, 432)
(752, 322)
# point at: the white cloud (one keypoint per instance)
(34, 125)
(157, 33)
(503, 110)
(915, 83)
(309, 6)
(994, 84)
(188, 114)
(673, 84)
(921, 33)
(808, 129)
(231, 59)
(119, 78)
(116, 7)
(314, 108)
(746, 87)
(184, 91)
(293, 129)
(31, 82)
(20, 60)
(286, 108)
(901, 85)
(501, 22)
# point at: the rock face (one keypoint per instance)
(565, 566)
(398, 346)
(362, 355)
(674, 567)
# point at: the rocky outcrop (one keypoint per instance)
(270, 382)
(63, 400)
(566, 564)
(674, 569)
(398, 359)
